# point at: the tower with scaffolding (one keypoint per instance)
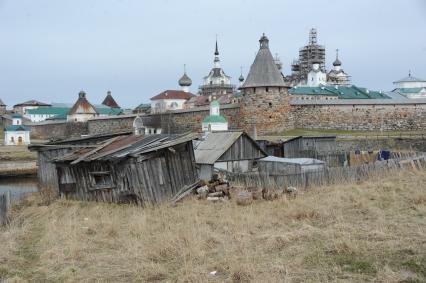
(307, 55)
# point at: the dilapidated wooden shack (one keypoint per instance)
(139, 169)
(232, 151)
(308, 146)
(46, 152)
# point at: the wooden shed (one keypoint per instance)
(309, 146)
(232, 151)
(139, 169)
(46, 152)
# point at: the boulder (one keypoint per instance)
(213, 199)
(244, 198)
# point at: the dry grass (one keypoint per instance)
(16, 153)
(373, 231)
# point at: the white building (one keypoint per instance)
(16, 134)
(216, 82)
(82, 110)
(337, 76)
(43, 113)
(169, 100)
(410, 87)
(214, 122)
(316, 76)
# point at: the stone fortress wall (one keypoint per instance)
(270, 113)
(371, 115)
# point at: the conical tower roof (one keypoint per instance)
(110, 101)
(82, 106)
(264, 71)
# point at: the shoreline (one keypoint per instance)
(12, 169)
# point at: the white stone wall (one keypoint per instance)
(421, 94)
(80, 117)
(316, 78)
(214, 127)
(39, 117)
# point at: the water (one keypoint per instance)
(18, 185)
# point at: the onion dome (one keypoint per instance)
(241, 78)
(337, 61)
(185, 80)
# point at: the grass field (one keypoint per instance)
(372, 231)
(16, 153)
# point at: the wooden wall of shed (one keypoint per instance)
(46, 172)
(243, 149)
(153, 178)
(292, 148)
(308, 147)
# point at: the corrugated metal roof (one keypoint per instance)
(123, 146)
(300, 161)
(211, 148)
(358, 101)
(342, 92)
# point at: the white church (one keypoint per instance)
(16, 134)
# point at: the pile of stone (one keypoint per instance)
(220, 190)
(215, 191)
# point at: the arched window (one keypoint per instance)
(174, 105)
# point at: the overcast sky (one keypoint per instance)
(51, 49)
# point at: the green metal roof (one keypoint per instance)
(16, 115)
(16, 128)
(109, 111)
(61, 112)
(410, 90)
(342, 92)
(48, 110)
(62, 116)
(215, 119)
(143, 106)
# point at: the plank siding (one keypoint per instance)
(242, 149)
(152, 180)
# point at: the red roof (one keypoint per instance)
(173, 94)
(110, 101)
(82, 106)
(32, 103)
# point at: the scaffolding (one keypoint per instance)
(309, 53)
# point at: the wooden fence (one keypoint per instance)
(329, 176)
(5, 201)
